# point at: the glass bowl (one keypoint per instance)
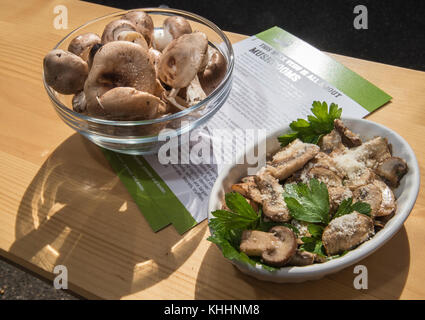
(135, 137)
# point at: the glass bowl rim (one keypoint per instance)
(174, 116)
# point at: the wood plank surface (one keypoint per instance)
(60, 202)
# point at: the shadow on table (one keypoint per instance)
(77, 213)
(387, 272)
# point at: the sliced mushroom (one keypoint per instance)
(276, 247)
(337, 195)
(274, 206)
(349, 138)
(118, 64)
(331, 143)
(172, 28)
(79, 103)
(301, 258)
(292, 158)
(370, 194)
(346, 232)
(64, 71)
(180, 62)
(134, 37)
(327, 176)
(113, 28)
(363, 177)
(214, 72)
(388, 204)
(83, 42)
(373, 152)
(248, 188)
(392, 170)
(143, 23)
(124, 103)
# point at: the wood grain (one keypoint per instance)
(61, 203)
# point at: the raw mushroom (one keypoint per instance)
(154, 56)
(124, 103)
(92, 53)
(64, 71)
(214, 71)
(79, 103)
(292, 158)
(180, 62)
(143, 23)
(83, 43)
(392, 170)
(113, 28)
(172, 28)
(134, 37)
(118, 64)
(194, 92)
(346, 232)
(276, 247)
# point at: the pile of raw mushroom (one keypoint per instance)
(134, 72)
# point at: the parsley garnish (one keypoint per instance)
(318, 125)
(308, 203)
(228, 227)
(347, 206)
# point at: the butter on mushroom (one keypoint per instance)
(124, 103)
(64, 71)
(180, 62)
(118, 64)
(346, 232)
(143, 23)
(82, 44)
(172, 28)
(214, 72)
(275, 247)
(113, 28)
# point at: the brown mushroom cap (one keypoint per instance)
(113, 28)
(143, 23)
(177, 26)
(82, 42)
(181, 59)
(214, 72)
(276, 247)
(392, 170)
(64, 71)
(124, 103)
(133, 36)
(118, 64)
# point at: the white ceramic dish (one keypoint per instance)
(406, 195)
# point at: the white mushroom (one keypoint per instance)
(113, 28)
(180, 62)
(172, 28)
(64, 71)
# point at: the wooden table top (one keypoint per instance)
(60, 202)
